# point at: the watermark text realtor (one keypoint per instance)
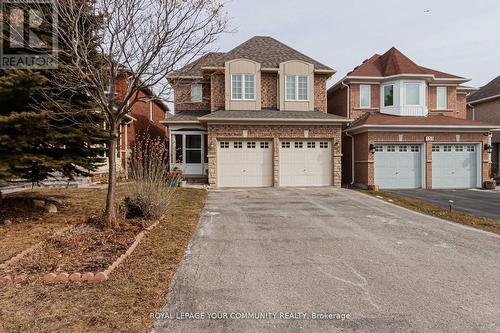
(28, 34)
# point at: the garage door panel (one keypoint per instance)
(454, 166)
(304, 163)
(244, 163)
(398, 166)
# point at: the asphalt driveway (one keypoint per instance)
(292, 253)
(476, 202)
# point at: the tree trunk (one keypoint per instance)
(110, 212)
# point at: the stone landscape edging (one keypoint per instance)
(7, 279)
(102, 275)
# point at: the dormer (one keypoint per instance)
(242, 85)
(404, 98)
(296, 81)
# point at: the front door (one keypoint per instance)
(193, 154)
(188, 152)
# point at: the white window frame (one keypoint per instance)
(419, 86)
(194, 98)
(151, 111)
(445, 90)
(243, 98)
(369, 87)
(297, 88)
(383, 95)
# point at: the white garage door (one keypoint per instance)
(454, 166)
(305, 163)
(245, 163)
(398, 166)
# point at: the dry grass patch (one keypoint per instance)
(31, 225)
(474, 221)
(122, 303)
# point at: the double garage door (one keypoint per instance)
(250, 163)
(401, 166)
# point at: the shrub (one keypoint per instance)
(150, 190)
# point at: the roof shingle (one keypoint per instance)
(273, 115)
(375, 118)
(265, 50)
(393, 62)
(489, 90)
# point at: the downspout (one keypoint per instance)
(472, 106)
(349, 135)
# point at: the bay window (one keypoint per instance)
(296, 88)
(243, 87)
(412, 94)
(364, 96)
(442, 98)
(389, 95)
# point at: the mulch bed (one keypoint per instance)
(82, 248)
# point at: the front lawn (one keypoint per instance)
(474, 221)
(124, 302)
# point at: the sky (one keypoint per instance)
(458, 37)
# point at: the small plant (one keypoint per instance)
(152, 186)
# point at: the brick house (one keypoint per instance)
(255, 116)
(410, 127)
(484, 105)
(145, 117)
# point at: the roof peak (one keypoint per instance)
(394, 62)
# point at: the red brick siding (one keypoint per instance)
(320, 103)
(337, 102)
(182, 96)
(364, 170)
(274, 132)
(489, 111)
(217, 92)
(269, 91)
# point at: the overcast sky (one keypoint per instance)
(458, 37)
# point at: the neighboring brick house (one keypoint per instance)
(410, 128)
(144, 119)
(484, 105)
(255, 116)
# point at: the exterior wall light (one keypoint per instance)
(372, 148)
(489, 148)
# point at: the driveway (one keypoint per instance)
(295, 252)
(476, 202)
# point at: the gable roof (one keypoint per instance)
(394, 62)
(490, 90)
(269, 52)
(265, 50)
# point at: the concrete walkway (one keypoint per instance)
(293, 253)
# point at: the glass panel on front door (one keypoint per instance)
(193, 149)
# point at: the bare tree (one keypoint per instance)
(139, 40)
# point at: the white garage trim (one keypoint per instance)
(387, 180)
(245, 163)
(436, 184)
(306, 162)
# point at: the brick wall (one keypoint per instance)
(337, 102)
(364, 159)
(320, 103)
(489, 111)
(217, 92)
(182, 96)
(274, 132)
(269, 91)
